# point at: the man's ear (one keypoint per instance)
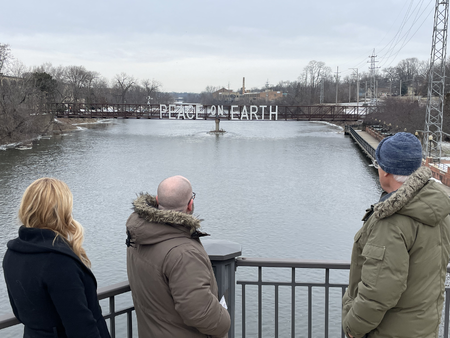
(189, 207)
(156, 197)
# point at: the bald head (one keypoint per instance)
(174, 193)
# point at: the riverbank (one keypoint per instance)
(56, 127)
(63, 125)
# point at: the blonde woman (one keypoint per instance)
(50, 285)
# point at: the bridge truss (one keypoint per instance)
(186, 111)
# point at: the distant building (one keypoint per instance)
(224, 93)
(265, 96)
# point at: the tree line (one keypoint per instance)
(318, 84)
(25, 91)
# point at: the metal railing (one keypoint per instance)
(197, 111)
(325, 286)
(293, 285)
(108, 292)
(365, 146)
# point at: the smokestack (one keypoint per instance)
(243, 85)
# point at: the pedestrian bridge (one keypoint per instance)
(203, 112)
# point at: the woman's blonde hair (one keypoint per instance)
(47, 204)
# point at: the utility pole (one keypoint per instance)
(400, 88)
(322, 91)
(337, 84)
(365, 94)
(432, 138)
(357, 86)
(349, 91)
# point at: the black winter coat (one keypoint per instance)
(51, 291)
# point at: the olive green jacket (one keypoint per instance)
(399, 261)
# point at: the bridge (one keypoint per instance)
(204, 112)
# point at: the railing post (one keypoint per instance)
(223, 255)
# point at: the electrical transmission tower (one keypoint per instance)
(373, 96)
(432, 139)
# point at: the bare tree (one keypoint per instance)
(207, 96)
(5, 56)
(151, 87)
(312, 75)
(20, 104)
(407, 71)
(78, 79)
(122, 83)
(99, 91)
(62, 90)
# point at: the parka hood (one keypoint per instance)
(159, 224)
(419, 198)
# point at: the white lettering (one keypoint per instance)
(244, 113)
(253, 111)
(232, 112)
(220, 110)
(262, 111)
(274, 113)
(213, 110)
(172, 108)
(181, 113)
(190, 111)
(162, 110)
(197, 109)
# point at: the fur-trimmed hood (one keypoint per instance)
(419, 198)
(150, 225)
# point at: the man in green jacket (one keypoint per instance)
(400, 255)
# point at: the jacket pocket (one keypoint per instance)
(374, 256)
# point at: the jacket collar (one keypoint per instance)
(35, 240)
(146, 207)
(401, 197)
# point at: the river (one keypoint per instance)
(281, 189)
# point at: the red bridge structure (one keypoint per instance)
(204, 112)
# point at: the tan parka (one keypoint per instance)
(399, 261)
(171, 278)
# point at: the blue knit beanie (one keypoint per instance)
(400, 154)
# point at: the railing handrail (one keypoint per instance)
(368, 149)
(293, 263)
(109, 291)
(113, 290)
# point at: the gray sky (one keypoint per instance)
(188, 45)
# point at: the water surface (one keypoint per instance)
(280, 189)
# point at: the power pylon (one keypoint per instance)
(432, 139)
(373, 72)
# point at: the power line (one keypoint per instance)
(413, 15)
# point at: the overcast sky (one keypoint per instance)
(190, 44)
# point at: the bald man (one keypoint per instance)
(171, 278)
